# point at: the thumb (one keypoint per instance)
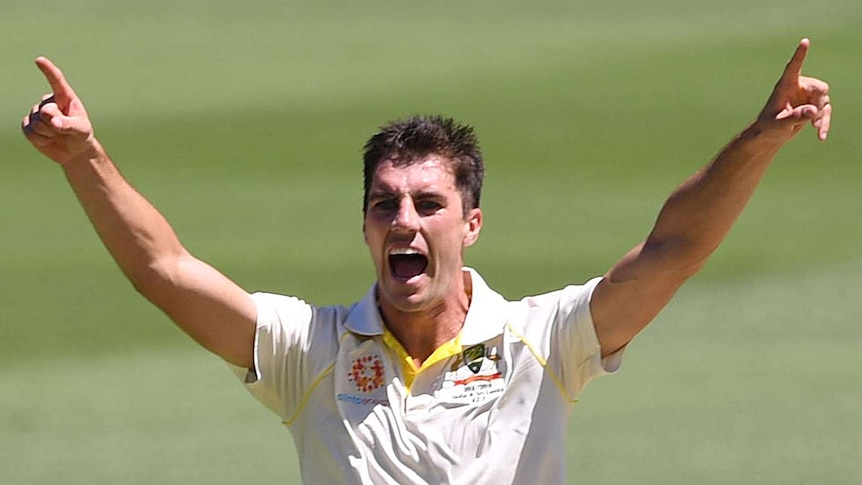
(70, 125)
(790, 121)
(798, 114)
(58, 120)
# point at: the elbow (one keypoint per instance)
(156, 279)
(682, 257)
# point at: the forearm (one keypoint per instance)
(139, 239)
(700, 212)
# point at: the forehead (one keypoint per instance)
(432, 173)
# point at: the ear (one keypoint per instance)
(473, 225)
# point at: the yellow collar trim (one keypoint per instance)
(408, 366)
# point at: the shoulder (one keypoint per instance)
(566, 300)
(296, 320)
(572, 301)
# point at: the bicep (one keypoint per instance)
(212, 309)
(632, 293)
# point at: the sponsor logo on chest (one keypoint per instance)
(366, 373)
(360, 378)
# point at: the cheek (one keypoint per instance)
(372, 240)
(451, 242)
(370, 230)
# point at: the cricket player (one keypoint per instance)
(432, 377)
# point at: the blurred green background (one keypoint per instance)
(244, 123)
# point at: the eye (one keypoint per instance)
(428, 206)
(385, 205)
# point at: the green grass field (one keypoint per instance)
(244, 124)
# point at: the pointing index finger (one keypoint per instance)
(794, 66)
(63, 92)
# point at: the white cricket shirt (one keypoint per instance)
(489, 406)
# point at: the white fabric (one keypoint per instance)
(492, 414)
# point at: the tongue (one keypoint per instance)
(407, 266)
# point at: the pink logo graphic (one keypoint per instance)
(366, 373)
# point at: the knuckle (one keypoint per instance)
(48, 98)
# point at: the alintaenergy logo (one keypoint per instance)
(367, 373)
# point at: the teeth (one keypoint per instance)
(403, 251)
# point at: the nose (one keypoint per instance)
(406, 219)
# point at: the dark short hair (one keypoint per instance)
(411, 140)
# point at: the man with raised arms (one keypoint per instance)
(432, 377)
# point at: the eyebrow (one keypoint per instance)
(387, 192)
(381, 193)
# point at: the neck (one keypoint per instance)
(421, 332)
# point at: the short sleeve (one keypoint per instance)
(283, 327)
(575, 343)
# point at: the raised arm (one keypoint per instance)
(204, 303)
(698, 215)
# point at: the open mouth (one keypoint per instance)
(407, 263)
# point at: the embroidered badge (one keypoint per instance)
(476, 375)
(473, 357)
(367, 373)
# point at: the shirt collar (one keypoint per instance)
(485, 319)
(364, 318)
(487, 314)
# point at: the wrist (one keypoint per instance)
(765, 134)
(90, 152)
